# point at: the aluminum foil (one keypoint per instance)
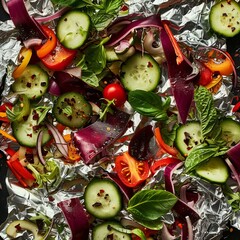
(191, 17)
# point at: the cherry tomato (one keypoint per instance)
(49, 45)
(131, 171)
(115, 91)
(59, 58)
(206, 76)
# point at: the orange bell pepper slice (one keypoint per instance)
(217, 62)
(49, 45)
(24, 56)
(171, 150)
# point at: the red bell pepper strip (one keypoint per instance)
(162, 163)
(171, 150)
(22, 171)
(19, 178)
(236, 108)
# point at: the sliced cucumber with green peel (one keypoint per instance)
(214, 170)
(26, 132)
(72, 110)
(188, 136)
(224, 18)
(33, 82)
(230, 131)
(73, 28)
(140, 72)
(102, 198)
(106, 231)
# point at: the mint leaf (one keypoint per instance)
(149, 104)
(149, 205)
(113, 6)
(199, 154)
(206, 110)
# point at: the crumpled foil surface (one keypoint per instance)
(191, 16)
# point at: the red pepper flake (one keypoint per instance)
(150, 65)
(102, 191)
(18, 228)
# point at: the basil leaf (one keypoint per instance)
(153, 224)
(150, 205)
(207, 112)
(95, 58)
(149, 104)
(199, 154)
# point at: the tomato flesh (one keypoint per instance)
(116, 92)
(131, 171)
(59, 58)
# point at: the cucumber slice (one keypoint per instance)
(105, 231)
(73, 28)
(214, 170)
(224, 18)
(230, 131)
(188, 136)
(33, 82)
(12, 230)
(102, 198)
(140, 72)
(26, 132)
(72, 110)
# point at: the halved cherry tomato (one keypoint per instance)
(131, 171)
(162, 163)
(217, 62)
(49, 45)
(171, 150)
(115, 91)
(59, 58)
(24, 58)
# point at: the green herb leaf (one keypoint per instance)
(199, 154)
(149, 104)
(43, 111)
(149, 205)
(95, 58)
(207, 112)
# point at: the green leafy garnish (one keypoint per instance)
(101, 12)
(149, 104)
(148, 206)
(206, 110)
(45, 174)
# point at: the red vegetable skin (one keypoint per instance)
(116, 92)
(76, 218)
(143, 146)
(59, 58)
(92, 140)
(234, 156)
(27, 25)
(179, 73)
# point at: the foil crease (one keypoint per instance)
(190, 17)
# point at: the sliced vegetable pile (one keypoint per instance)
(82, 79)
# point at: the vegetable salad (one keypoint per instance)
(87, 106)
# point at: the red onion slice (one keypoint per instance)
(235, 174)
(76, 218)
(59, 140)
(39, 147)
